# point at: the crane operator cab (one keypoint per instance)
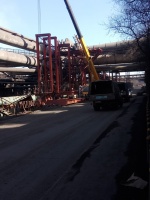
(105, 94)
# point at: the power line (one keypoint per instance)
(39, 17)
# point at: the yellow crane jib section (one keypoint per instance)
(91, 67)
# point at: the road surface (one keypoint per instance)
(43, 154)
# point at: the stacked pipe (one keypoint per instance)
(112, 52)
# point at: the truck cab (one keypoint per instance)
(104, 94)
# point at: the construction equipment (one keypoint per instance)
(92, 71)
(101, 92)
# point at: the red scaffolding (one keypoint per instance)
(62, 68)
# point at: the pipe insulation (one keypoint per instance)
(114, 46)
(115, 58)
(122, 67)
(21, 59)
(16, 40)
(110, 54)
(25, 60)
(13, 69)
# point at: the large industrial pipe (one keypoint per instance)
(23, 60)
(114, 46)
(13, 69)
(16, 40)
(122, 67)
(115, 58)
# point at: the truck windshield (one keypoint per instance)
(101, 87)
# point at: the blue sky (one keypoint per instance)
(21, 16)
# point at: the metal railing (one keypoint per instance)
(19, 51)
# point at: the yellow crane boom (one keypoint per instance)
(93, 73)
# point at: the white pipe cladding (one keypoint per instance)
(17, 41)
(18, 58)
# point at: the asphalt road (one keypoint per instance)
(65, 153)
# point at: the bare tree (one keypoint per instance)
(133, 22)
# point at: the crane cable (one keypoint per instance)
(39, 17)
